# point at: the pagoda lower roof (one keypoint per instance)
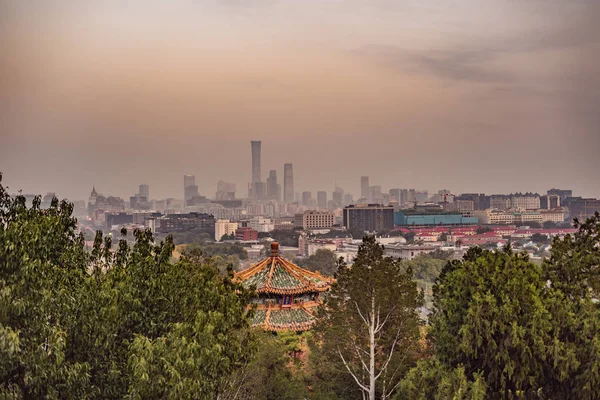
(284, 319)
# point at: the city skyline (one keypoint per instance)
(473, 96)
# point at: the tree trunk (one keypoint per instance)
(372, 351)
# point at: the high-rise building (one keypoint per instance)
(364, 187)
(257, 187)
(338, 197)
(190, 189)
(144, 191)
(273, 189)
(322, 200)
(288, 183)
(348, 199)
(255, 145)
(225, 191)
(306, 197)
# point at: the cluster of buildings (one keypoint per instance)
(271, 206)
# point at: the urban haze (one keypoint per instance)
(469, 96)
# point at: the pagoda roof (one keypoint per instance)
(274, 320)
(277, 275)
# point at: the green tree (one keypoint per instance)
(573, 283)
(483, 229)
(323, 261)
(432, 380)
(271, 374)
(489, 316)
(539, 238)
(370, 322)
(112, 323)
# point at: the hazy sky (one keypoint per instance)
(470, 95)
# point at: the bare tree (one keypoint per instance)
(370, 321)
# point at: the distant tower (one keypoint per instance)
(272, 186)
(322, 200)
(190, 190)
(144, 191)
(288, 183)
(255, 144)
(364, 187)
(93, 196)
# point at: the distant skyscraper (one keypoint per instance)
(364, 187)
(288, 183)
(273, 190)
(322, 200)
(190, 190)
(306, 197)
(338, 196)
(258, 188)
(255, 144)
(144, 191)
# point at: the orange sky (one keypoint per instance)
(469, 95)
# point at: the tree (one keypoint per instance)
(432, 380)
(370, 322)
(443, 237)
(483, 229)
(323, 261)
(539, 238)
(110, 323)
(573, 264)
(271, 374)
(549, 225)
(489, 316)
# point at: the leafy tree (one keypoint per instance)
(370, 322)
(549, 225)
(424, 267)
(489, 316)
(113, 323)
(539, 238)
(573, 264)
(483, 229)
(573, 283)
(227, 237)
(531, 331)
(270, 374)
(323, 261)
(443, 237)
(432, 380)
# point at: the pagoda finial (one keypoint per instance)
(274, 249)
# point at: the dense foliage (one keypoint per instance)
(370, 323)
(110, 323)
(520, 329)
(323, 261)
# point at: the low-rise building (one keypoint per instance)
(314, 220)
(408, 251)
(246, 233)
(224, 227)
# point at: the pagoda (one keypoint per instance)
(287, 294)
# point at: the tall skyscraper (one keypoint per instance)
(364, 187)
(144, 191)
(288, 183)
(255, 144)
(322, 200)
(257, 186)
